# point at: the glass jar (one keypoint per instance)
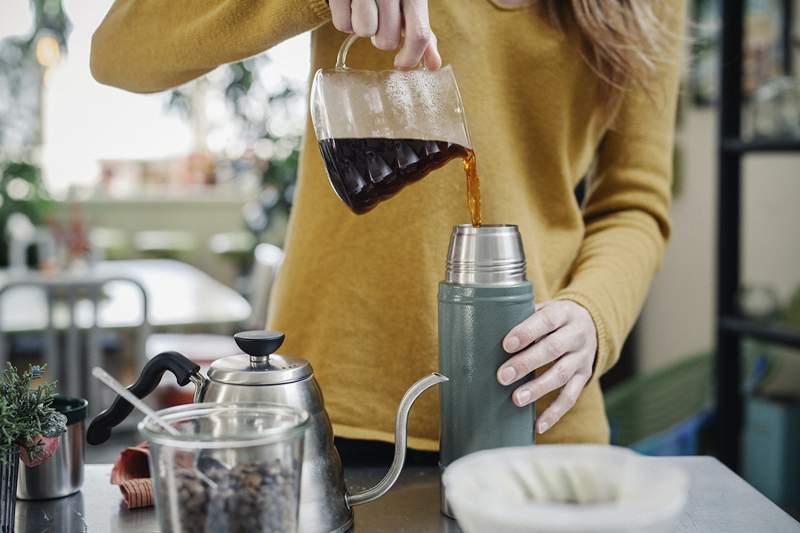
(231, 467)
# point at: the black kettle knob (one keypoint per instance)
(259, 344)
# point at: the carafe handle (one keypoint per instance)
(182, 367)
(341, 58)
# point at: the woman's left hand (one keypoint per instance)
(561, 331)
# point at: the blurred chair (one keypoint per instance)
(203, 349)
(164, 244)
(71, 307)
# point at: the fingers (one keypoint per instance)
(556, 377)
(384, 21)
(431, 58)
(340, 13)
(547, 319)
(550, 348)
(389, 25)
(364, 17)
(562, 331)
(418, 35)
(565, 401)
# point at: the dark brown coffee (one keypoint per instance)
(364, 172)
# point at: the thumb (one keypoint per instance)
(431, 57)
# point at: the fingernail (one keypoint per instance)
(543, 426)
(507, 375)
(512, 343)
(523, 397)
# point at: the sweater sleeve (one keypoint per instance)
(626, 214)
(153, 45)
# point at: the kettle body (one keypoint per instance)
(259, 375)
(322, 475)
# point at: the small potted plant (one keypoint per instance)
(30, 430)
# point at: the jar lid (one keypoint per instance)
(258, 365)
(73, 408)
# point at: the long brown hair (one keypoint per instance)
(625, 40)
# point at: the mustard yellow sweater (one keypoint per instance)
(357, 295)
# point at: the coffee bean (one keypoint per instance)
(249, 498)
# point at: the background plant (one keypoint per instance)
(262, 110)
(22, 76)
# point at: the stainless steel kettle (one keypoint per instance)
(261, 375)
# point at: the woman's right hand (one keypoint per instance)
(385, 21)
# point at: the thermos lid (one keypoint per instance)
(258, 365)
(491, 254)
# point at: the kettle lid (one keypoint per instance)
(258, 365)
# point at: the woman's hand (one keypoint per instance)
(561, 331)
(385, 21)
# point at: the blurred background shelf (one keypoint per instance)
(761, 146)
(730, 330)
(761, 330)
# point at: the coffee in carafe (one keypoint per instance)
(379, 131)
(364, 172)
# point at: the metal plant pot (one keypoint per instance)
(62, 473)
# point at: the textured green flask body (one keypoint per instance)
(476, 411)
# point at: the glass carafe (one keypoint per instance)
(378, 131)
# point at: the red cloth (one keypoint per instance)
(132, 473)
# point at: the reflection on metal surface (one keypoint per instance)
(414, 501)
(61, 515)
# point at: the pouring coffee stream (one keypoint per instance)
(260, 375)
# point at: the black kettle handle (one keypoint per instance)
(100, 429)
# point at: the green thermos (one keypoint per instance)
(484, 295)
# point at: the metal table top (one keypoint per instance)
(719, 501)
(178, 294)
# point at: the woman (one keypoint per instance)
(554, 91)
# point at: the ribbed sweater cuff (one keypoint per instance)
(320, 9)
(602, 361)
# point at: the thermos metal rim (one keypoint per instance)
(485, 228)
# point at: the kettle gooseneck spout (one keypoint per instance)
(400, 438)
